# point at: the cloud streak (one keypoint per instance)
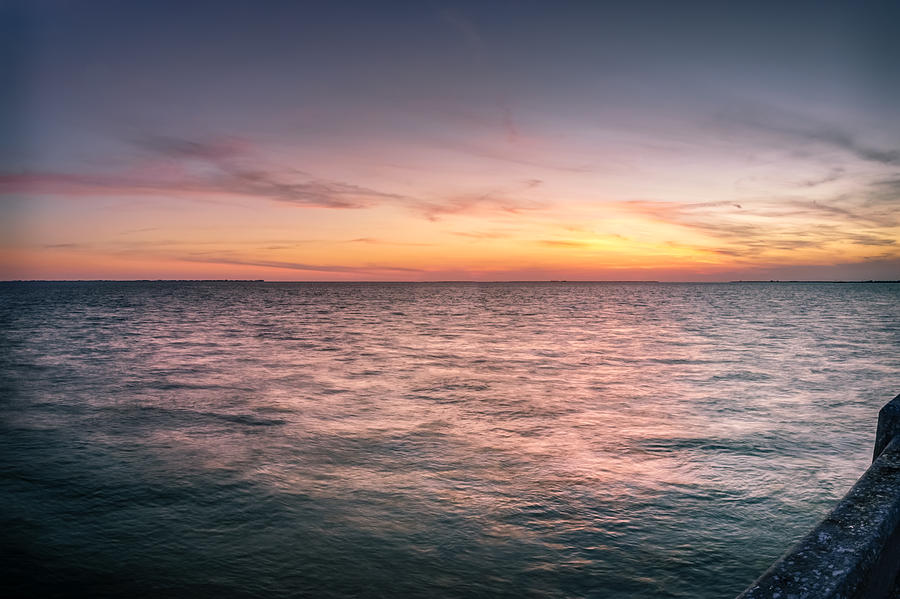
(367, 269)
(196, 169)
(795, 128)
(476, 204)
(233, 171)
(563, 243)
(250, 184)
(760, 226)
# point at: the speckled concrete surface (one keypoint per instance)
(854, 552)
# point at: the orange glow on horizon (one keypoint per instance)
(208, 217)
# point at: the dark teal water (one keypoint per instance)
(428, 440)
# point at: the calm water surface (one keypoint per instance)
(429, 440)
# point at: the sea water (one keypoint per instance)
(429, 440)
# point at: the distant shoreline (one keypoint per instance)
(751, 281)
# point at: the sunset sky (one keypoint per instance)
(439, 140)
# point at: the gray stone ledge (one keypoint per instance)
(854, 552)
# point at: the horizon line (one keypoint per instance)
(449, 281)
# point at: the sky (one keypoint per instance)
(438, 140)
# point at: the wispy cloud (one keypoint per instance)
(491, 202)
(234, 169)
(886, 190)
(215, 150)
(367, 269)
(139, 230)
(511, 200)
(761, 226)
(871, 240)
(564, 243)
(251, 184)
(64, 246)
(834, 174)
(374, 241)
(199, 169)
(481, 234)
(864, 208)
(795, 128)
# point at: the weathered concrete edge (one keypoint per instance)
(888, 426)
(854, 551)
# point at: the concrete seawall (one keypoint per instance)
(854, 552)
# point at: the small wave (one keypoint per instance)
(741, 375)
(178, 386)
(251, 420)
(185, 417)
(453, 386)
(706, 445)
